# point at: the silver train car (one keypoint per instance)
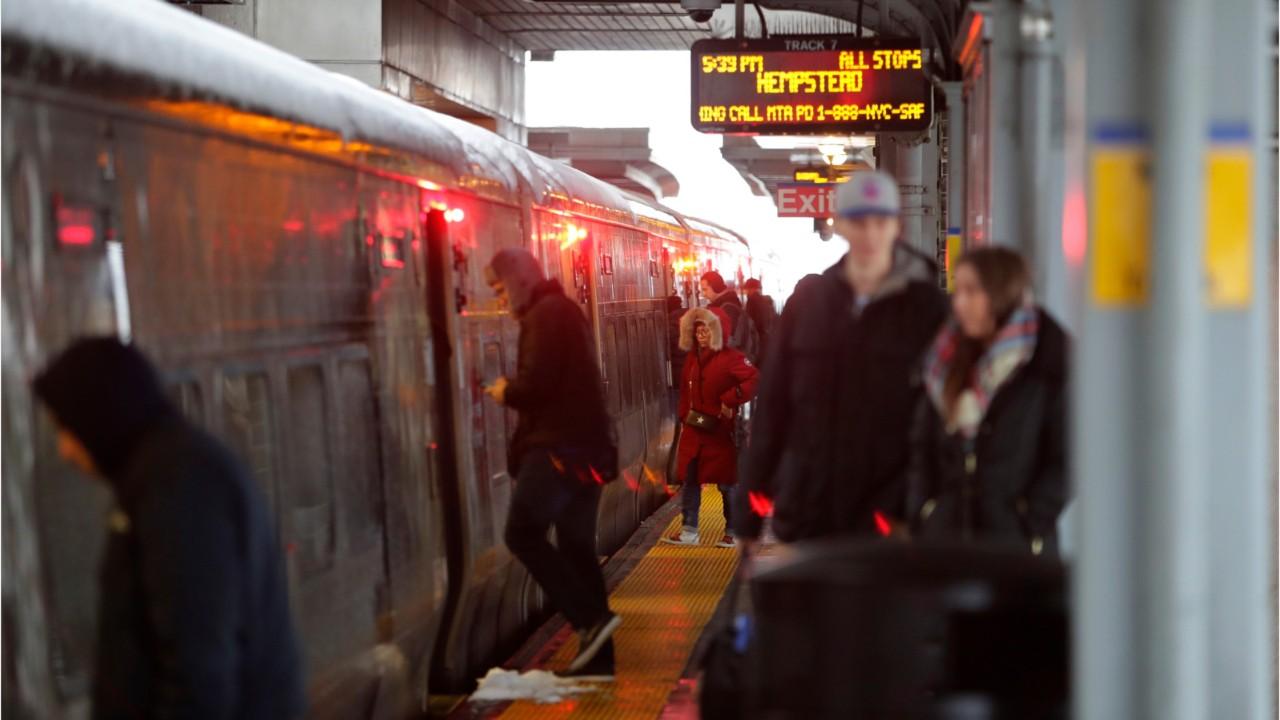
(303, 257)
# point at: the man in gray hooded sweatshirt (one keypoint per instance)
(562, 453)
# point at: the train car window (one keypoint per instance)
(657, 346)
(558, 265)
(652, 353)
(360, 468)
(612, 369)
(393, 251)
(488, 229)
(188, 398)
(643, 370)
(660, 350)
(495, 431)
(308, 489)
(658, 331)
(247, 425)
(22, 210)
(66, 502)
(626, 347)
(639, 368)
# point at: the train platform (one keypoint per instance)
(668, 597)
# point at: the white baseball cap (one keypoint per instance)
(870, 192)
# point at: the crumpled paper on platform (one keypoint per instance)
(536, 685)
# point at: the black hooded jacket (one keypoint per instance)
(193, 611)
(557, 389)
(738, 334)
(829, 444)
(761, 310)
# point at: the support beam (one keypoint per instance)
(1038, 235)
(1156, 486)
(1172, 522)
(904, 158)
(1240, 426)
(955, 156)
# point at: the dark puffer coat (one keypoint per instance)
(1010, 486)
(194, 615)
(712, 378)
(557, 388)
(763, 315)
(830, 437)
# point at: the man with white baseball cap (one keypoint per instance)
(830, 441)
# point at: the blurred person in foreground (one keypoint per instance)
(561, 455)
(989, 445)
(193, 609)
(829, 447)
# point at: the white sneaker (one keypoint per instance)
(727, 542)
(685, 536)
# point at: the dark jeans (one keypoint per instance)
(569, 574)
(691, 500)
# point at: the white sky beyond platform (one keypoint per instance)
(651, 89)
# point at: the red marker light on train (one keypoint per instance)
(75, 226)
(572, 234)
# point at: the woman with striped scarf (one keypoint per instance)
(988, 446)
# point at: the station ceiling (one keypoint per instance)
(591, 26)
(549, 26)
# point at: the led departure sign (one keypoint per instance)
(810, 85)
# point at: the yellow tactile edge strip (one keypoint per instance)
(665, 602)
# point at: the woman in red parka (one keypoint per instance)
(717, 380)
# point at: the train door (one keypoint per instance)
(63, 277)
(479, 339)
(337, 414)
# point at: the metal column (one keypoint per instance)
(1147, 454)
(904, 159)
(1039, 234)
(1103, 65)
(1173, 524)
(1008, 189)
(955, 160)
(1240, 251)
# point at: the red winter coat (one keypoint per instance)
(712, 378)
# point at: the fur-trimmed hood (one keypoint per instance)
(701, 315)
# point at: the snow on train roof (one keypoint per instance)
(172, 46)
(715, 230)
(644, 209)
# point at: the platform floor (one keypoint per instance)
(666, 600)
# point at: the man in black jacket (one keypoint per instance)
(761, 310)
(741, 334)
(830, 444)
(562, 452)
(193, 612)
